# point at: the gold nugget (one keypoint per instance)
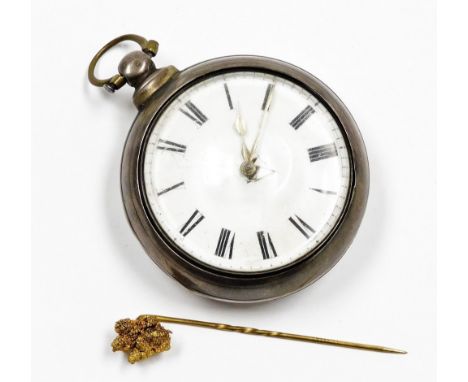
(141, 338)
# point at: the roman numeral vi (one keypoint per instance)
(225, 242)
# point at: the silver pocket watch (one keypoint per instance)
(245, 178)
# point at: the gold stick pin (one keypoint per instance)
(145, 336)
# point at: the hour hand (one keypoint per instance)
(241, 129)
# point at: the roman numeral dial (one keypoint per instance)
(245, 172)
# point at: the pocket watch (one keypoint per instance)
(245, 178)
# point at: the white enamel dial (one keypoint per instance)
(219, 215)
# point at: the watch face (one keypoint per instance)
(246, 172)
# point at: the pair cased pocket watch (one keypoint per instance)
(245, 178)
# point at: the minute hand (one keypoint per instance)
(263, 119)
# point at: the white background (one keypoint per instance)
(89, 270)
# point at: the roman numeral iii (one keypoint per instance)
(301, 226)
(303, 116)
(266, 245)
(194, 113)
(225, 244)
(322, 152)
(171, 146)
(191, 223)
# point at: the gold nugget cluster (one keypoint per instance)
(141, 338)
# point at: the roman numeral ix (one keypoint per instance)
(266, 245)
(171, 146)
(322, 152)
(193, 221)
(170, 188)
(303, 116)
(302, 226)
(225, 242)
(194, 113)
